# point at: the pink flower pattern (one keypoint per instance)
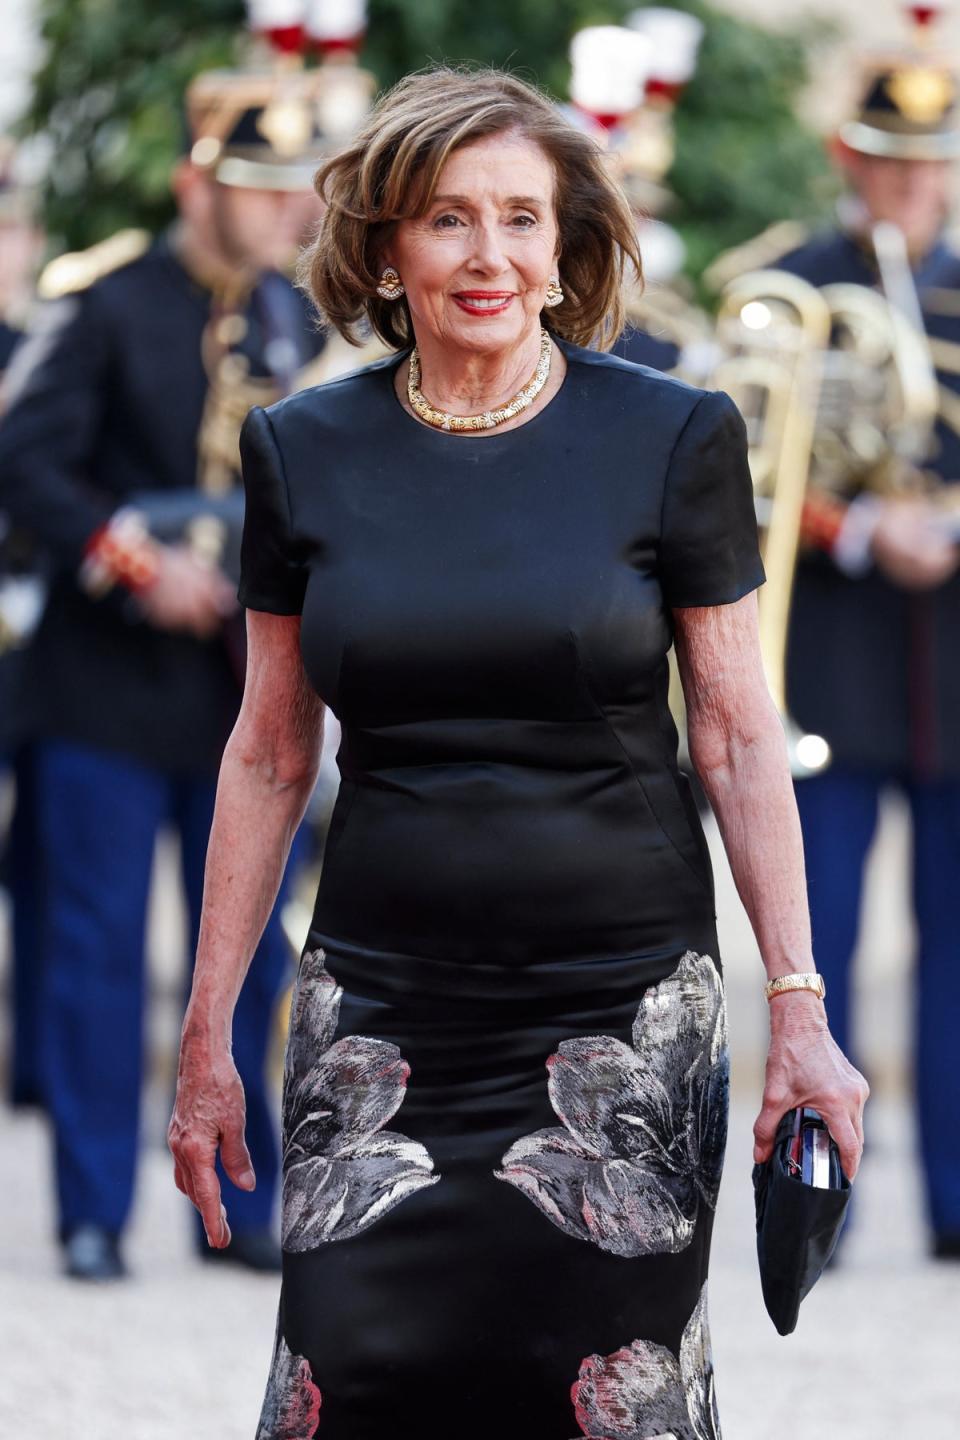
(644, 1392)
(644, 1125)
(291, 1406)
(341, 1170)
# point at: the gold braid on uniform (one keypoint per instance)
(79, 269)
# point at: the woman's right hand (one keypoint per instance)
(187, 594)
(209, 1112)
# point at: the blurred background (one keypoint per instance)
(724, 127)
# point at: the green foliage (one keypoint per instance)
(743, 158)
(109, 96)
(529, 37)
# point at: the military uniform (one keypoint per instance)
(21, 596)
(8, 341)
(21, 592)
(642, 348)
(131, 387)
(872, 667)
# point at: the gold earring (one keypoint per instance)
(390, 287)
(554, 295)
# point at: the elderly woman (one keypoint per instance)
(506, 1082)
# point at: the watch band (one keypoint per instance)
(802, 980)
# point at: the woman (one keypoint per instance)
(513, 950)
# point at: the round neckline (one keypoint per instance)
(456, 440)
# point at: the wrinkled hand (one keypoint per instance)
(805, 1066)
(188, 594)
(909, 547)
(210, 1111)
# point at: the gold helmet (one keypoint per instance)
(908, 99)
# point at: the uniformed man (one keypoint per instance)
(119, 451)
(875, 630)
(22, 590)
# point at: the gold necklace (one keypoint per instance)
(440, 420)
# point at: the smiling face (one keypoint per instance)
(476, 265)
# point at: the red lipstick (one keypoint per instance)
(483, 302)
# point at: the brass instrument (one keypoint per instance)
(836, 385)
(879, 396)
(773, 331)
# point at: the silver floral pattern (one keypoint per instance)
(291, 1406)
(644, 1125)
(341, 1169)
(643, 1392)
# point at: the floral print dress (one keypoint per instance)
(633, 1170)
(506, 1081)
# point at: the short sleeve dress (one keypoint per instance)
(506, 1080)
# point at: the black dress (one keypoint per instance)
(506, 1085)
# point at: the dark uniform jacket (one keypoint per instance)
(8, 342)
(872, 667)
(642, 348)
(17, 557)
(111, 405)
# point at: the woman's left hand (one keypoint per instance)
(805, 1066)
(209, 1114)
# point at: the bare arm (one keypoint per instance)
(267, 775)
(738, 749)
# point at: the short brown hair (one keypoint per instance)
(390, 171)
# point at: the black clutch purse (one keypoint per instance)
(801, 1196)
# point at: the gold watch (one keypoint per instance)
(801, 980)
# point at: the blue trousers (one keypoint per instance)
(838, 814)
(99, 814)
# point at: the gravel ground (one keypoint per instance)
(179, 1350)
